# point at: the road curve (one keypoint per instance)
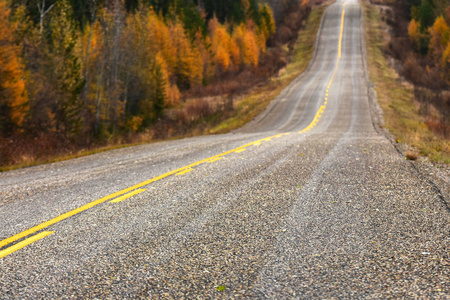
(306, 201)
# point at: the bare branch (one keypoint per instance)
(42, 13)
(51, 6)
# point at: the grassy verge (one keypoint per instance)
(30, 162)
(246, 108)
(396, 97)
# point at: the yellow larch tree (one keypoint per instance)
(159, 38)
(13, 93)
(90, 48)
(251, 49)
(203, 44)
(90, 43)
(188, 66)
(267, 26)
(171, 90)
(413, 31)
(440, 34)
(246, 40)
(445, 62)
(220, 40)
(234, 52)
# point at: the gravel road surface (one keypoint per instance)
(309, 200)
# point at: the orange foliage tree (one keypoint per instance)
(99, 77)
(221, 42)
(446, 63)
(13, 94)
(414, 31)
(440, 34)
(244, 45)
(268, 26)
(246, 40)
(188, 67)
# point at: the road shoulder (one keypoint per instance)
(436, 173)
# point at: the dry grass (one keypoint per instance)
(396, 97)
(411, 155)
(29, 161)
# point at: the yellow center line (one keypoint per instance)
(182, 170)
(126, 196)
(81, 209)
(215, 159)
(114, 195)
(341, 33)
(24, 243)
(315, 120)
(322, 108)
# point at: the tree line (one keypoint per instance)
(86, 70)
(420, 43)
(430, 32)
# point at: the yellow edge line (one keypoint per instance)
(126, 196)
(24, 243)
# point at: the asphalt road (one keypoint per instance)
(309, 200)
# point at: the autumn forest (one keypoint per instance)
(420, 46)
(75, 73)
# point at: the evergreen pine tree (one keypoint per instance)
(65, 69)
